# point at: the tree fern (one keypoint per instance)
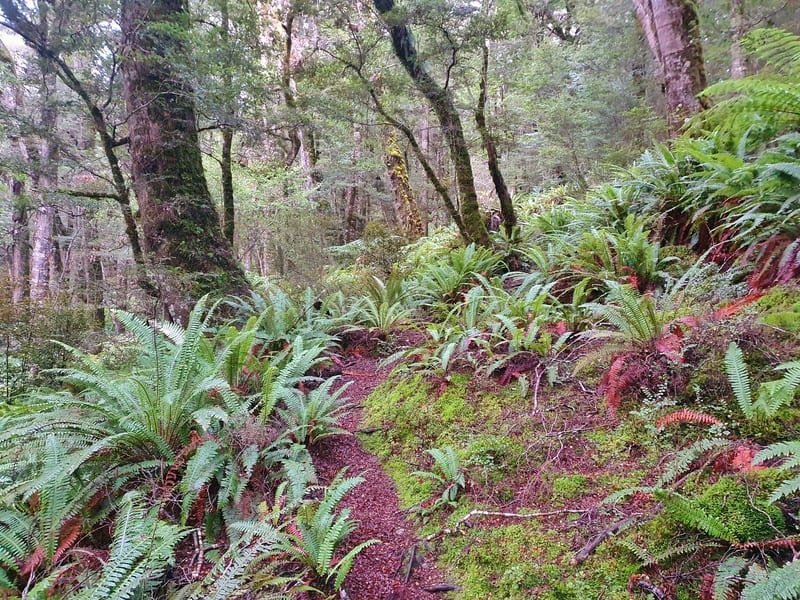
(772, 96)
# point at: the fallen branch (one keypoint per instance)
(464, 521)
(585, 552)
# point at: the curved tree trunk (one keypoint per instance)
(179, 221)
(493, 160)
(442, 103)
(673, 34)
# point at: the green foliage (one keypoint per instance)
(322, 530)
(767, 102)
(383, 308)
(569, 486)
(778, 584)
(772, 395)
(447, 473)
(738, 505)
(443, 280)
(142, 549)
(312, 416)
(791, 451)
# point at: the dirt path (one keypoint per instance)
(379, 572)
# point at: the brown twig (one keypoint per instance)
(463, 521)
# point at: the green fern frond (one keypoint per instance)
(729, 574)
(739, 378)
(200, 469)
(683, 459)
(141, 549)
(692, 515)
(778, 48)
(779, 584)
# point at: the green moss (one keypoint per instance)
(569, 486)
(411, 489)
(527, 560)
(493, 457)
(747, 516)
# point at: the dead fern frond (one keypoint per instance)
(687, 416)
(789, 543)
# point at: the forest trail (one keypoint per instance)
(380, 571)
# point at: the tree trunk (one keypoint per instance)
(493, 160)
(740, 65)
(20, 253)
(42, 249)
(45, 181)
(405, 202)
(226, 165)
(11, 101)
(228, 205)
(673, 35)
(179, 222)
(441, 101)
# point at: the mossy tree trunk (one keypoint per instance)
(405, 201)
(180, 224)
(672, 30)
(441, 102)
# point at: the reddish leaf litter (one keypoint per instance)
(381, 570)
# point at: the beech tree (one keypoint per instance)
(180, 224)
(672, 32)
(441, 101)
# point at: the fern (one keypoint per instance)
(322, 530)
(791, 452)
(728, 575)
(687, 416)
(738, 377)
(141, 549)
(692, 515)
(683, 459)
(200, 469)
(780, 584)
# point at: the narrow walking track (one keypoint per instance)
(380, 571)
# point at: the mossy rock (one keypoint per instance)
(747, 516)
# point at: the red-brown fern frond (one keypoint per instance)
(616, 380)
(789, 543)
(30, 564)
(687, 416)
(70, 532)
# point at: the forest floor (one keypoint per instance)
(381, 571)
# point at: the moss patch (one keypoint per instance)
(530, 560)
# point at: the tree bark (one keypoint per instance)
(226, 165)
(441, 101)
(405, 201)
(228, 201)
(740, 65)
(672, 32)
(493, 160)
(45, 181)
(11, 101)
(179, 222)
